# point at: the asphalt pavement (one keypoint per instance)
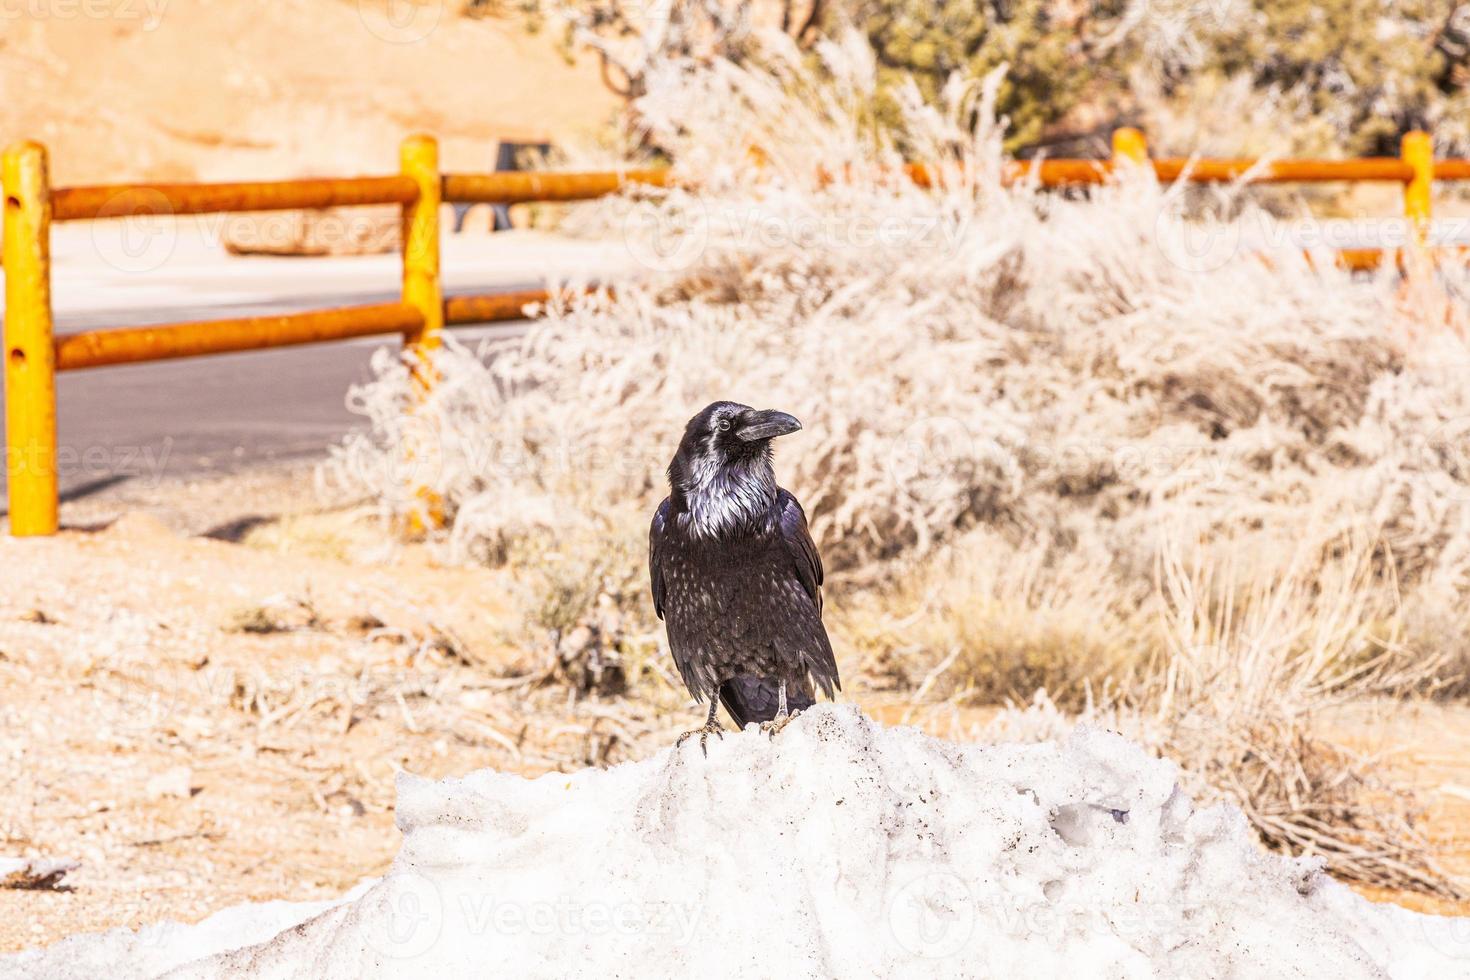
(225, 412)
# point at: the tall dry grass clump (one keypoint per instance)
(1008, 394)
(1243, 661)
(1252, 659)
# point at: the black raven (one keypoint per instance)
(736, 576)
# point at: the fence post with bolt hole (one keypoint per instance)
(1129, 145)
(1417, 150)
(422, 289)
(30, 355)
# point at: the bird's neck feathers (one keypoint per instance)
(722, 498)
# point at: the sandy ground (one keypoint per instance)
(207, 687)
(1427, 746)
(219, 89)
(201, 722)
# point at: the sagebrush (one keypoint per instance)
(1016, 403)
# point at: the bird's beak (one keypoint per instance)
(766, 425)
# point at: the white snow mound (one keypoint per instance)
(840, 849)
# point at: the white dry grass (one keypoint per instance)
(1228, 480)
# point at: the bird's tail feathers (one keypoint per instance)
(756, 699)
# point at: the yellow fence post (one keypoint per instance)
(1417, 150)
(422, 289)
(1129, 145)
(30, 358)
(420, 163)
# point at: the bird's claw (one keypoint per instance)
(773, 727)
(713, 728)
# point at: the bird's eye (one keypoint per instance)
(724, 425)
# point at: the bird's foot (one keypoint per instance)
(774, 726)
(713, 728)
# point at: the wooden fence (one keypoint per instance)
(33, 353)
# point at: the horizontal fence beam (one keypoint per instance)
(1048, 173)
(1390, 169)
(1365, 259)
(1368, 259)
(517, 188)
(166, 341)
(132, 345)
(1452, 170)
(1075, 173)
(1068, 173)
(491, 307)
(499, 307)
(128, 200)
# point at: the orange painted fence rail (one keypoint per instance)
(33, 354)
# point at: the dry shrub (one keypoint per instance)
(1255, 658)
(1004, 622)
(1006, 397)
(584, 617)
(1046, 365)
(1248, 657)
(279, 614)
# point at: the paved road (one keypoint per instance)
(212, 414)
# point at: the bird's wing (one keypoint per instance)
(694, 668)
(808, 566)
(656, 542)
(799, 544)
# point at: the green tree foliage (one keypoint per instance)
(1347, 76)
(1049, 67)
(1371, 69)
(1368, 69)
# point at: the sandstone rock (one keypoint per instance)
(319, 231)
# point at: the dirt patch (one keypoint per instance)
(200, 722)
(1427, 748)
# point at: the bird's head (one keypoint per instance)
(722, 470)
